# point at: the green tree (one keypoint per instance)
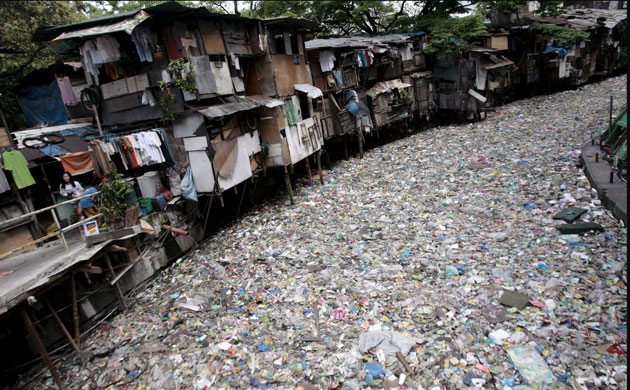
(18, 55)
(339, 17)
(448, 34)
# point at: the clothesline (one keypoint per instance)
(133, 150)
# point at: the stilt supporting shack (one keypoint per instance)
(42, 349)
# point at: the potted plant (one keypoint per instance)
(113, 200)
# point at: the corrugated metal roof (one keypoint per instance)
(310, 91)
(289, 23)
(386, 86)
(585, 19)
(359, 42)
(126, 25)
(267, 101)
(221, 110)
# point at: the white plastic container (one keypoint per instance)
(149, 183)
(89, 228)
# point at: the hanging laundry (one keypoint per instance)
(173, 43)
(143, 39)
(327, 60)
(107, 49)
(235, 61)
(77, 163)
(166, 148)
(100, 159)
(67, 93)
(4, 184)
(406, 52)
(88, 51)
(15, 162)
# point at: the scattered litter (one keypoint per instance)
(579, 228)
(437, 251)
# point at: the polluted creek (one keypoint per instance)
(434, 260)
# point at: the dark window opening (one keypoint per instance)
(306, 113)
(294, 44)
(279, 39)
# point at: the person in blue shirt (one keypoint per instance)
(88, 205)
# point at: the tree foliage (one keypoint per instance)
(562, 36)
(339, 17)
(18, 21)
(452, 34)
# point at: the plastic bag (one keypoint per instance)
(188, 187)
(388, 342)
(174, 181)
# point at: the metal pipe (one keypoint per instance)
(176, 230)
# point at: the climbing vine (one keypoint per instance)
(182, 78)
(562, 36)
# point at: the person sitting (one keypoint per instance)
(88, 205)
(70, 189)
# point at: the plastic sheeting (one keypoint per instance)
(42, 105)
(386, 341)
(188, 187)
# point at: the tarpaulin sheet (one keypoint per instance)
(42, 105)
(552, 49)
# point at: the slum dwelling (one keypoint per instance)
(363, 81)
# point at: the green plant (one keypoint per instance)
(113, 198)
(182, 78)
(265, 149)
(562, 36)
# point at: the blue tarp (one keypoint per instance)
(53, 150)
(551, 49)
(42, 105)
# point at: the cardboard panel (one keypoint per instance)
(189, 125)
(236, 166)
(115, 88)
(288, 73)
(126, 102)
(142, 81)
(202, 170)
(222, 78)
(131, 84)
(204, 75)
(251, 141)
(195, 143)
(211, 35)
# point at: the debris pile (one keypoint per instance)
(435, 262)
